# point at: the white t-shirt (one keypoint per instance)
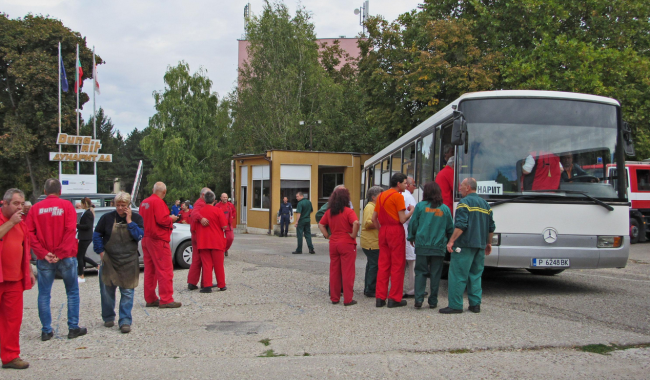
(409, 200)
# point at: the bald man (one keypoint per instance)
(230, 212)
(196, 220)
(157, 255)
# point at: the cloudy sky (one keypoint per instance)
(138, 39)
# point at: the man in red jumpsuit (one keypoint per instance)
(211, 243)
(230, 213)
(445, 179)
(389, 218)
(196, 220)
(158, 266)
(15, 277)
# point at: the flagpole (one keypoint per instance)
(78, 90)
(94, 111)
(60, 164)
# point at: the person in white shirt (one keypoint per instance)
(409, 200)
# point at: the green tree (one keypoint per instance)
(187, 137)
(29, 99)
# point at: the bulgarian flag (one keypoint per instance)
(78, 73)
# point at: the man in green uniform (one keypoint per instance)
(468, 246)
(303, 223)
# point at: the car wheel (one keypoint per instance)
(634, 231)
(545, 272)
(184, 254)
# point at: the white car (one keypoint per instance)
(181, 240)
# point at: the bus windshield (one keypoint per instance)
(523, 146)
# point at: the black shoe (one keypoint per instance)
(226, 254)
(74, 333)
(369, 294)
(449, 310)
(432, 306)
(475, 309)
(46, 336)
(205, 290)
(296, 253)
(353, 302)
(312, 251)
(335, 303)
(192, 287)
(393, 303)
(223, 289)
(380, 302)
(408, 295)
(418, 305)
(109, 324)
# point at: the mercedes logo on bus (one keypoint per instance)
(550, 235)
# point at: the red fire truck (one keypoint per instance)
(638, 193)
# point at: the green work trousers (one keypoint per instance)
(372, 265)
(304, 228)
(465, 271)
(426, 266)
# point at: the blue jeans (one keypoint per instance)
(46, 271)
(108, 302)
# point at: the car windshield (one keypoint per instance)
(519, 146)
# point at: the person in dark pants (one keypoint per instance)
(370, 242)
(85, 236)
(285, 213)
(303, 222)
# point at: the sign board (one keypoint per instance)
(88, 152)
(78, 183)
(489, 188)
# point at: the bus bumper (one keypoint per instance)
(519, 250)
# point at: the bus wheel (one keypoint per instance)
(545, 272)
(634, 231)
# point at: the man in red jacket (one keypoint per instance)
(52, 225)
(196, 219)
(158, 266)
(445, 179)
(15, 277)
(230, 212)
(211, 243)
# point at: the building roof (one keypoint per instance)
(258, 155)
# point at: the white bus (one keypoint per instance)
(543, 224)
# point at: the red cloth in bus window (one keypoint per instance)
(548, 171)
(445, 179)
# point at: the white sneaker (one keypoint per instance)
(80, 280)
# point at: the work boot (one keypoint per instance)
(17, 363)
(369, 294)
(312, 251)
(296, 253)
(226, 253)
(155, 303)
(223, 289)
(171, 305)
(192, 287)
(353, 302)
(418, 305)
(75, 333)
(393, 303)
(449, 310)
(205, 290)
(475, 309)
(109, 324)
(380, 302)
(125, 329)
(46, 336)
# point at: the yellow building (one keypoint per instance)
(262, 180)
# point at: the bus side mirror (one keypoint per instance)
(628, 144)
(459, 129)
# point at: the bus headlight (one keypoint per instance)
(496, 240)
(610, 241)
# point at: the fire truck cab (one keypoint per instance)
(638, 192)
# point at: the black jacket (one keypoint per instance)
(85, 226)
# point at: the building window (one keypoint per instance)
(289, 188)
(261, 187)
(329, 182)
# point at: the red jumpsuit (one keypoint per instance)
(445, 179)
(392, 250)
(211, 243)
(343, 253)
(14, 279)
(184, 216)
(194, 273)
(52, 225)
(157, 255)
(230, 212)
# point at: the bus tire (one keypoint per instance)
(634, 231)
(545, 272)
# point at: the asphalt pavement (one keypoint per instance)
(277, 306)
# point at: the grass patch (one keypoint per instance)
(306, 354)
(265, 341)
(460, 351)
(269, 354)
(604, 349)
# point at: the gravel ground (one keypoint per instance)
(529, 326)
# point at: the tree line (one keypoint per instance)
(408, 69)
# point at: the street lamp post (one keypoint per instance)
(311, 145)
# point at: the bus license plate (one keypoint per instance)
(550, 262)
